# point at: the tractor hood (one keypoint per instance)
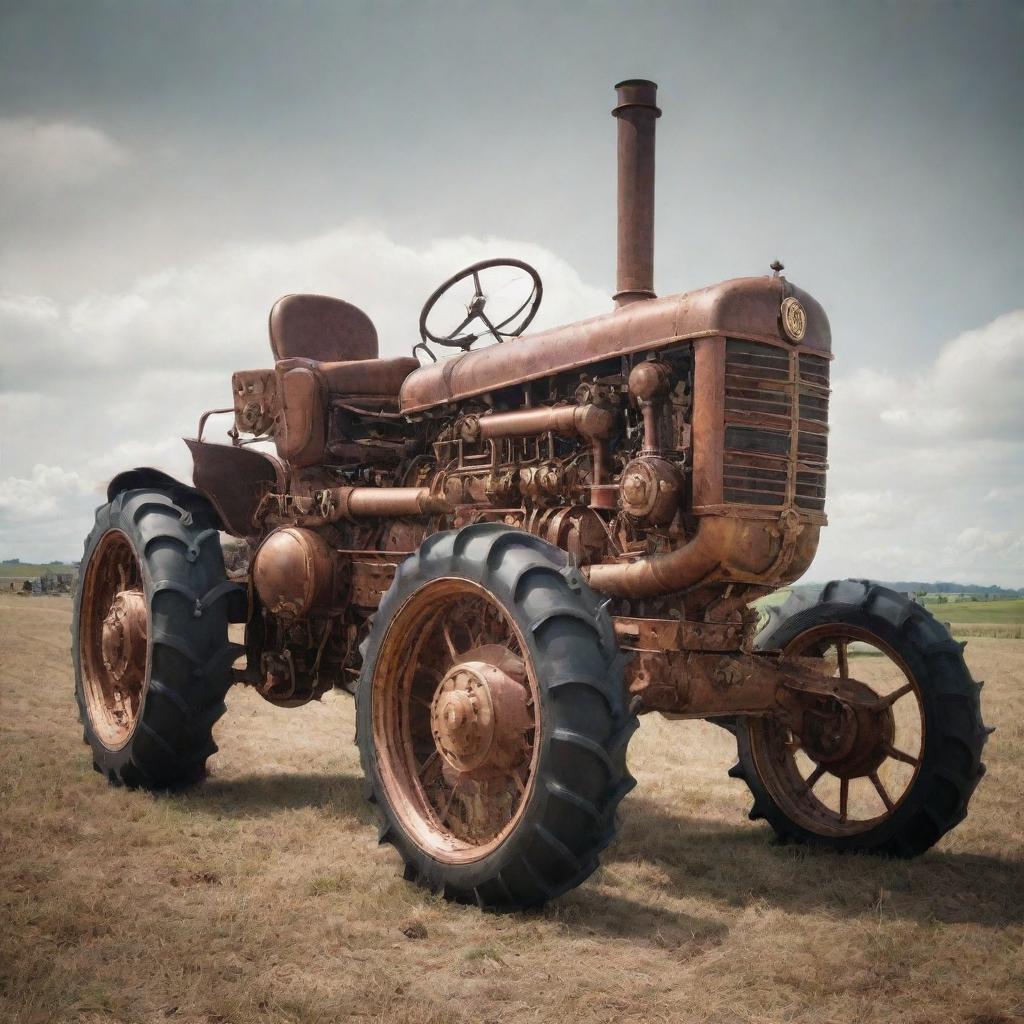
(745, 307)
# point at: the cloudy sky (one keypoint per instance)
(168, 169)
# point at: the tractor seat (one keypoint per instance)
(309, 389)
(325, 351)
(337, 343)
(321, 328)
(371, 384)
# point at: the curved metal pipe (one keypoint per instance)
(716, 541)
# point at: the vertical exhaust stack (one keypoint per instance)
(636, 112)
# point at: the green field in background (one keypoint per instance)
(30, 569)
(1010, 613)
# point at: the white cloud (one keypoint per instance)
(38, 156)
(926, 467)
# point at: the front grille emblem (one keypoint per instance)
(794, 319)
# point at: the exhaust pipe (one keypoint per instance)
(636, 112)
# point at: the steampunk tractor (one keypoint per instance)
(508, 555)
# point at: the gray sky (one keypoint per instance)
(167, 170)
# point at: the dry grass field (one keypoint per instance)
(263, 896)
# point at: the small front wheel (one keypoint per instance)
(492, 719)
(890, 772)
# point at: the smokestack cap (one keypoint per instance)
(636, 92)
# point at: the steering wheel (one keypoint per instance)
(510, 326)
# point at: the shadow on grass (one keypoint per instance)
(262, 795)
(341, 796)
(742, 864)
(735, 865)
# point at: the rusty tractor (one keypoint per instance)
(509, 554)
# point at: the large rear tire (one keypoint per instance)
(937, 771)
(150, 637)
(492, 720)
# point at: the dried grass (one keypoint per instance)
(263, 897)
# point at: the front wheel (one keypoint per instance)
(891, 772)
(492, 720)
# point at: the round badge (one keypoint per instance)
(794, 319)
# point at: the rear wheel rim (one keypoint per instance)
(456, 720)
(113, 640)
(833, 797)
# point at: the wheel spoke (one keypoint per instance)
(426, 764)
(448, 803)
(844, 798)
(811, 781)
(889, 699)
(877, 783)
(844, 661)
(900, 755)
(452, 650)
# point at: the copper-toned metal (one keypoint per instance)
(123, 645)
(842, 767)
(114, 639)
(651, 488)
(480, 715)
(588, 421)
(320, 327)
(747, 307)
(731, 549)
(456, 710)
(636, 112)
(235, 480)
(336, 503)
(649, 383)
(294, 572)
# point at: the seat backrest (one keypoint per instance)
(321, 328)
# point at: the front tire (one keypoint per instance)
(150, 638)
(492, 720)
(939, 769)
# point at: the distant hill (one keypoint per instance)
(916, 586)
(954, 588)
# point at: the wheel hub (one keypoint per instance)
(123, 638)
(480, 713)
(854, 739)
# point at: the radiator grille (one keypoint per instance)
(776, 426)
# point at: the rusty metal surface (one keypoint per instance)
(746, 307)
(235, 480)
(636, 112)
(588, 421)
(322, 328)
(293, 571)
(455, 712)
(123, 644)
(650, 634)
(114, 639)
